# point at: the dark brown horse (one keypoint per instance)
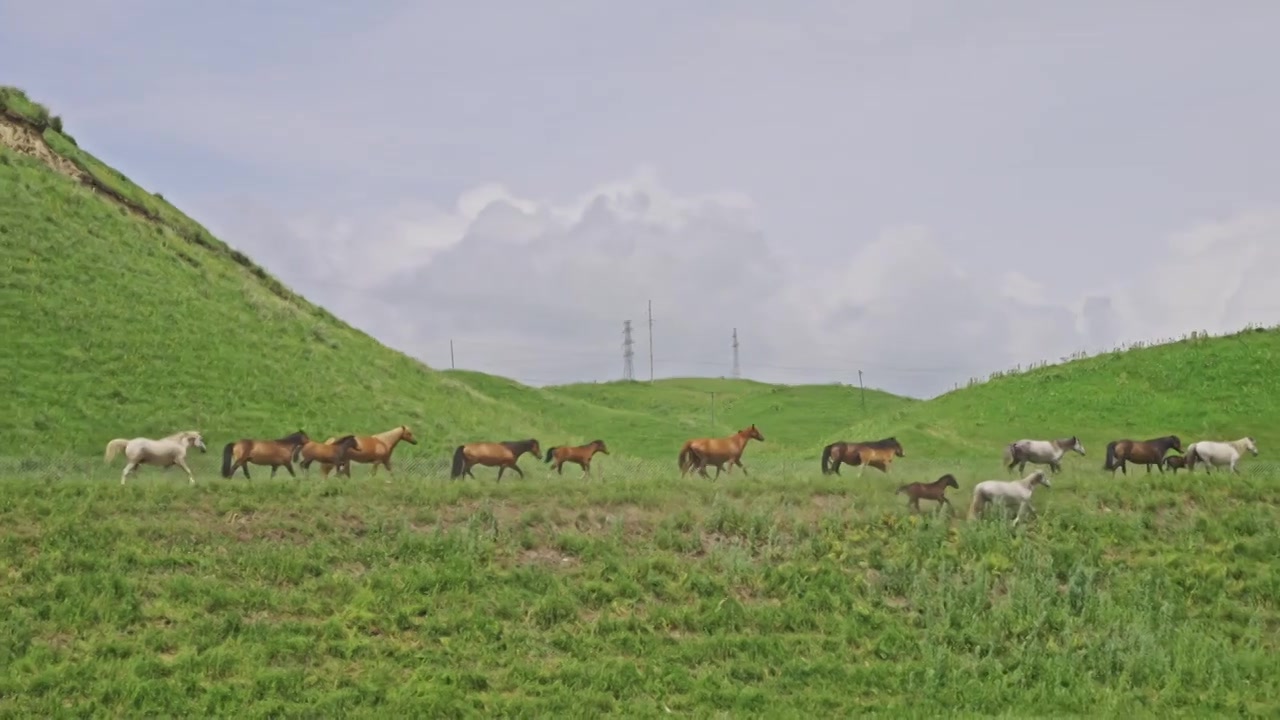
(936, 490)
(1174, 462)
(581, 455)
(699, 452)
(334, 453)
(373, 449)
(502, 455)
(878, 454)
(1139, 452)
(276, 453)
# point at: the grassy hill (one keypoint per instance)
(1205, 387)
(125, 317)
(784, 593)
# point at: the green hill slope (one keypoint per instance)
(124, 317)
(1197, 388)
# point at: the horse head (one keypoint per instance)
(600, 446)
(534, 447)
(754, 433)
(193, 438)
(897, 447)
(1039, 478)
(951, 481)
(1077, 445)
(1251, 445)
(407, 435)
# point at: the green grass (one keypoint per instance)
(780, 594)
(635, 592)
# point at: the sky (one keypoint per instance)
(923, 191)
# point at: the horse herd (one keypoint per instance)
(695, 455)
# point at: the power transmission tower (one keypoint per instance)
(628, 367)
(737, 368)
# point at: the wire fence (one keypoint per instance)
(603, 467)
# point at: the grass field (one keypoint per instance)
(634, 592)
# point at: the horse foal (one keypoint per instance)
(936, 491)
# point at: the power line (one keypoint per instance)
(628, 367)
(650, 341)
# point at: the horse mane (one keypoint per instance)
(292, 438)
(518, 445)
(181, 434)
(881, 443)
(345, 439)
(596, 442)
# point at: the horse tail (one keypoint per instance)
(1008, 453)
(458, 461)
(826, 458)
(686, 454)
(550, 451)
(297, 450)
(1110, 462)
(226, 459)
(114, 447)
(976, 504)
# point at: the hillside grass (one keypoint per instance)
(764, 596)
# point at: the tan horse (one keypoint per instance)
(334, 453)
(276, 453)
(371, 449)
(502, 455)
(874, 453)
(581, 455)
(716, 451)
(171, 450)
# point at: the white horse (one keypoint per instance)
(164, 452)
(1040, 452)
(1010, 492)
(1216, 454)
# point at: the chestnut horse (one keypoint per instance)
(334, 453)
(503, 455)
(276, 453)
(936, 490)
(581, 455)
(1139, 452)
(877, 453)
(1174, 462)
(372, 449)
(716, 451)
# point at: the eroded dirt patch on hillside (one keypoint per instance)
(28, 141)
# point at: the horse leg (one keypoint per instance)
(274, 468)
(501, 469)
(560, 467)
(289, 466)
(738, 462)
(517, 469)
(183, 464)
(128, 468)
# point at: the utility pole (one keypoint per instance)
(862, 391)
(651, 341)
(713, 410)
(451, 365)
(628, 368)
(737, 369)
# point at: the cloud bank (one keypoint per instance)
(538, 289)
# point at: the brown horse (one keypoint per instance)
(503, 455)
(936, 490)
(372, 449)
(334, 453)
(276, 453)
(877, 453)
(716, 451)
(1174, 462)
(581, 455)
(1139, 452)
